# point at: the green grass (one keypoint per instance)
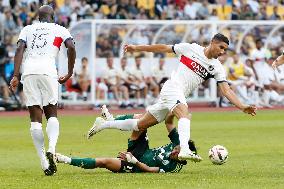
(255, 144)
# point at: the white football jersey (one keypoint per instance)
(110, 75)
(43, 41)
(194, 67)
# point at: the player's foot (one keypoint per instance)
(96, 127)
(52, 162)
(189, 155)
(62, 158)
(48, 172)
(105, 113)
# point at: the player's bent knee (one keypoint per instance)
(102, 163)
(53, 120)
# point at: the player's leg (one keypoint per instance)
(106, 115)
(33, 102)
(112, 164)
(183, 116)
(49, 90)
(38, 137)
(52, 130)
(146, 121)
(155, 114)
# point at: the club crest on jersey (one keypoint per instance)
(211, 68)
(196, 67)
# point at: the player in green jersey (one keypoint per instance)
(139, 157)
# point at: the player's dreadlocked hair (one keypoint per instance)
(221, 37)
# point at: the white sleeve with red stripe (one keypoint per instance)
(181, 48)
(65, 34)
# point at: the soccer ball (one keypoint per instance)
(218, 155)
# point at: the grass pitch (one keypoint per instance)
(255, 145)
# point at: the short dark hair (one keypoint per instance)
(84, 59)
(258, 40)
(221, 37)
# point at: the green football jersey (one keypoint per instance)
(160, 157)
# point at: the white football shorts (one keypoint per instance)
(40, 90)
(170, 97)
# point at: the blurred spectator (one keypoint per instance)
(160, 7)
(262, 14)
(138, 82)
(159, 73)
(275, 15)
(4, 90)
(83, 78)
(132, 9)
(246, 13)
(241, 78)
(190, 10)
(235, 14)
(254, 5)
(10, 27)
(214, 15)
(203, 11)
(124, 82)
(111, 78)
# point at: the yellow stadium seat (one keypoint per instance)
(269, 10)
(280, 11)
(227, 10)
(105, 9)
(59, 3)
(180, 28)
(146, 4)
(220, 12)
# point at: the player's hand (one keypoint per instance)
(129, 48)
(14, 83)
(64, 78)
(250, 110)
(127, 156)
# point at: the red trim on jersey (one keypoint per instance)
(57, 42)
(195, 67)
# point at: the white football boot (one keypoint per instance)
(189, 155)
(105, 114)
(96, 127)
(62, 158)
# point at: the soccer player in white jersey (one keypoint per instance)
(279, 61)
(197, 64)
(38, 46)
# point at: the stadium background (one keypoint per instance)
(255, 144)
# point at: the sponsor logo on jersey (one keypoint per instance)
(196, 67)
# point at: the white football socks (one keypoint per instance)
(184, 133)
(52, 131)
(38, 140)
(124, 125)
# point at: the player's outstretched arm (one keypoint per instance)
(279, 61)
(71, 54)
(127, 156)
(158, 48)
(232, 97)
(18, 61)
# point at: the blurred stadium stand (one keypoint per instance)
(14, 15)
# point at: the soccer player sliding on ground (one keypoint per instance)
(39, 44)
(139, 158)
(197, 64)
